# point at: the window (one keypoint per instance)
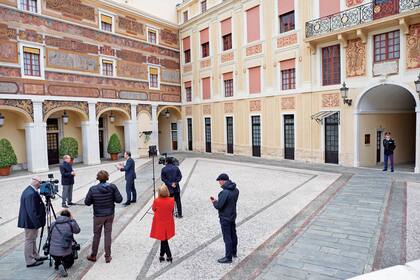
(387, 46)
(287, 22)
(187, 51)
(188, 92)
(254, 79)
(153, 77)
(226, 26)
(228, 84)
(207, 134)
(205, 49)
(204, 41)
(203, 6)
(31, 62)
(288, 80)
(106, 23)
(253, 24)
(152, 36)
(331, 65)
(107, 67)
(185, 16)
(190, 134)
(29, 5)
(227, 42)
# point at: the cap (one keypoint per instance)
(223, 177)
(36, 178)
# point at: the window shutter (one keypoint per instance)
(106, 19)
(153, 71)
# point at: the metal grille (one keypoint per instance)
(256, 136)
(190, 134)
(52, 124)
(207, 124)
(229, 134)
(331, 138)
(289, 137)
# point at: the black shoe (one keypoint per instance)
(133, 201)
(235, 255)
(41, 259)
(71, 203)
(37, 263)
(169, 259)
(126, 204)
(384, 169)
(224, 260)
(392, 170)
(161, 259)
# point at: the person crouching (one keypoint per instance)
(61, 242)
(163, 225)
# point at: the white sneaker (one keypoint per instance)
(62, 271)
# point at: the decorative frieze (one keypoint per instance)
(31, 35)
(227, 57)
(130, 25)
(8, 51)
(171, 98)
(9, 88)
(102, 106)
(254, 50)
(228, 108)
(72, 8)
(154, 96)
(9, 72)
(71, 45)
(153, 59)
(25, 105)
(170, 64)
(170, 76)
(205, 63)
(288, 103)
(351, 3)
(60, 90)
(207, 109)
(107, 50)
(144, 108)
(288, 40)
(188, 111)
(330, 100)
(413, 47)
(7, 33)
(255, 105)
(134, 95)
(109, 93)
(34, 89)
(132, 70)
(169, 37)
(356, 58)
(50, 105)
(72, 61)
(131, 56)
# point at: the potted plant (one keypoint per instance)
(69, 146)
(7, 157)
(114, 146)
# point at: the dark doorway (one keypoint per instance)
(190, 134)
(229, 134)
(331, 138)
(207, 128)
(101, 138)
(52, 141)
(378, 145)
(256, 136)
(289, 136)
(174, 136)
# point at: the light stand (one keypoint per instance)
(153, 154)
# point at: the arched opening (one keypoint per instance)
(62, 123)
(170, 127)
(387, 107)
(13, 129)
(111, 120)
(144, 123)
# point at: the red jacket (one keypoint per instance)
(163, 226)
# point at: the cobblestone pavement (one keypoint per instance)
(295, 221)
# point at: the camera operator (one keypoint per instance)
(61, 241)
(171, 176)
(67, 180)
(31, 218)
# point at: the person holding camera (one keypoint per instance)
(163, 225)
(130, 175)
(67, 180)
(171, 176)
(103, 196)
(61, 241)
(31, 218)
(226, 205)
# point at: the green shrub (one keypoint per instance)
(7, 154)
(69, 146)
(114, 145)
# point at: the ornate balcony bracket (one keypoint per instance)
(361, 35)
(311, 47)
(342, 39)
(404, 26)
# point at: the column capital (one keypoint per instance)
(92, 102)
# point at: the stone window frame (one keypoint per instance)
(111, 15)
(41, 60)
(114, 66)
(156, 31)
(38, 7)
(158, 76)
(288, 79)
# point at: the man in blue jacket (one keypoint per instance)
(130, 175)
(226, 205)
(31, 218)
(67, 180)
(171, 176)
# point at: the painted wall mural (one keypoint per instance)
(356, 58)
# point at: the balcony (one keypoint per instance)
(358, 15)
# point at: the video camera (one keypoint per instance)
(164, 160)
(49, 188)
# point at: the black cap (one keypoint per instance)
(223, 177)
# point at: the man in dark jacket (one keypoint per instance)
(103, 196)
(389, 147)
(130, 175)
(226, 205)
(171, 176)
(31, 218)
(67, 180)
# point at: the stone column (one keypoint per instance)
(181, 146)
(131, 134)
(417, 167)
(154, 138)
(36, 141)
(90, 137)
(356, 143)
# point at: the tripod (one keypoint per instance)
(152, 154)
(48, 210)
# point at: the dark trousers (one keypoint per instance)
(130, 188)
(229, 237)
(66, 261)
(386, 157)
(98, 223)
(177, 197)
(164, 249)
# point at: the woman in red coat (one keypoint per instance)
(163, 226)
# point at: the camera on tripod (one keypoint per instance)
(49, 188)
(165, 159)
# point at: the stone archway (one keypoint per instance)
(170, 129)
(386, 107)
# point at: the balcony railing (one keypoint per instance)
(358, 15)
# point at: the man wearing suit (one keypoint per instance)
(171, 176)
(67, 180)
(31, 218)
(130, 175)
